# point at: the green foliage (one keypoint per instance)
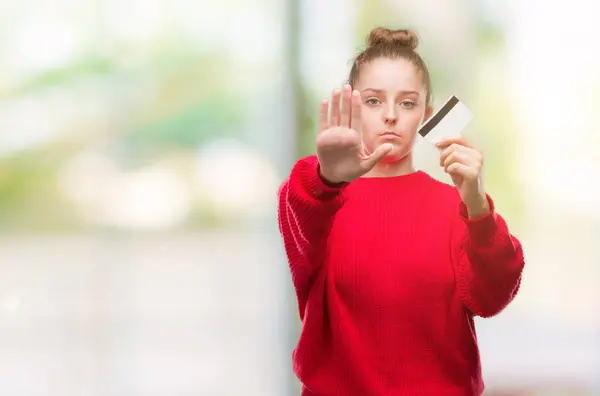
(84, 67)
(307, 112)
(190, 106)
(188, 128)
(373, 13)
(28, 192)
(495, 122)
(175, 99)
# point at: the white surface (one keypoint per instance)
(195, 314)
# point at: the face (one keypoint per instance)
(393, 105)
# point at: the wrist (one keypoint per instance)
(479, 207)
(330, 181)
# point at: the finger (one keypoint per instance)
(462, 170)
(447, 151)
(323, 115)
(370, 161)
(467, 151)
(334, 119)
(458, 139)
(355, 123)
(463, 158)
(446, 141)
(346, 106)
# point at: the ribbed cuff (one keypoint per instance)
(482, 230)
(314, 184)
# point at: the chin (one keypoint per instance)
(397, 154)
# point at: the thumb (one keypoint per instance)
(371, 160)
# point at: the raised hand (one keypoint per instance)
(464, 164)
(342, 156)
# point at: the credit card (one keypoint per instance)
(449, 121)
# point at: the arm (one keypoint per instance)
(306, 210)
(489, 262)
(307, 204)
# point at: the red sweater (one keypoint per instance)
(389, 273)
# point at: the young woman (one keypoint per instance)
(389, 265)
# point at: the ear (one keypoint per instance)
(428, 113)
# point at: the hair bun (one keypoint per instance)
(401, 38)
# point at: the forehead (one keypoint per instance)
(390, 75)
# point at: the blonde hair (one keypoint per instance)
(392, 44)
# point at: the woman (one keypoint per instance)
(389, 265)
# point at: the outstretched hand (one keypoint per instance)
(342, 156)
(464, 164)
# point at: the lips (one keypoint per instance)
(390, 134)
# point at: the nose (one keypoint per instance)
(390, 117)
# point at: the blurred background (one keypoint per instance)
(142, 144)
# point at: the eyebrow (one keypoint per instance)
(382, 90)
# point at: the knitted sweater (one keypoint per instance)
(388, 274)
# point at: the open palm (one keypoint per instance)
(341, 154)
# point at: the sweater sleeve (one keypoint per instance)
(489, 262)
(306, 208)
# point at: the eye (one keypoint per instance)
(407, 104)
(372, 101)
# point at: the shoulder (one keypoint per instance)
(308, 160)
(302, 166)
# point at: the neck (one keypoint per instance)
(402, 167)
